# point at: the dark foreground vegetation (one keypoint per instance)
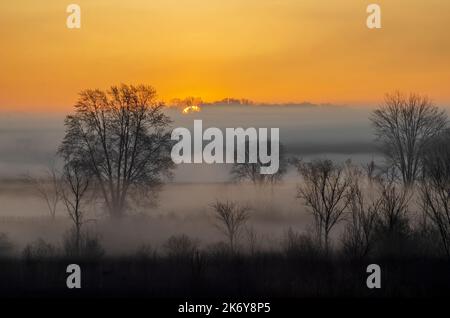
(412, 265)
(261, 275)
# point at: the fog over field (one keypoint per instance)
(28, 142)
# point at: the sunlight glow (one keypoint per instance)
(191, 109)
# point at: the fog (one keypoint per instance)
(28, 143)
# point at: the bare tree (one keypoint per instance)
(75, 185)
(393, 208)
(121, 137)
(248, 171)
(325, 191)
(392, 224)
(435, 186)
(48, 189)
(403, 125)
(370, 171)
(358, 235)
(252, 238)
(231, 219)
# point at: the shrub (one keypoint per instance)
(146, 252)
(38, 250)
(5, 245)
(218, 250)
(89, 245)
(180, 246)
(298, 245)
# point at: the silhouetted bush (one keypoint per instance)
(218, 250)
(181, 246)
(300, 246)
(39, 250)
(423, 239)
(146, 252)
(6, 246)
(89, 245)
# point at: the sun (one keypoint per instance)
(191, 109)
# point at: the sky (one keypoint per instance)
(265, 50)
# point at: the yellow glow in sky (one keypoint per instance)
(264, 50)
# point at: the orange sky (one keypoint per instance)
(265, 50)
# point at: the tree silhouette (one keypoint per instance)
(435, 186)
(231, 219)
(403, 125)
(249, 171)
(48, 189)
(357, 238)
(76, 180)
(324, 190)
(121, 138)
(392, 226)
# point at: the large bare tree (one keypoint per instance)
(325, 190)
(403, 125)
(121, 136)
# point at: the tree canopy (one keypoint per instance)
(121, 136)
